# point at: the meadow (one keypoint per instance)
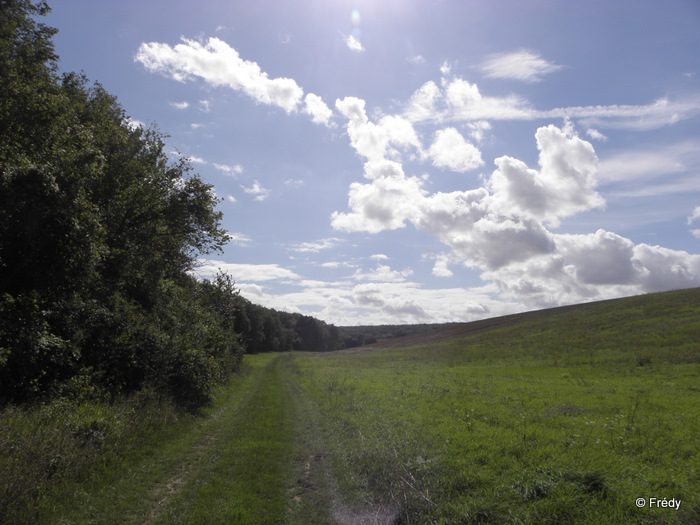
(567, 415)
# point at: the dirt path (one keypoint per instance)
(260, 458)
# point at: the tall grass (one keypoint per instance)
(50, 450)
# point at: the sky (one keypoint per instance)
(427, 161)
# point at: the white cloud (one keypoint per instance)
(240, 239)
(440, 268)
(232, 171)
(666, 269)
(659, 113)
(520, 65)
(382, 273)
(694, 216)
(639, 173)
(354, 44)
(418, 59)
(601, 258)
(337, 264)
(317, 108)
(248, 290)
(294, 182)
(422, 105)
(374, 141)
(204, 106)
(478, 129)
(379, 257)
(231, 198)
(180, 105)
(196, 160)
(256, 189)
(315, 246)
(134, 124)
(465, 102)
(386, 203)
(406, 307)
(564, 186)
(445, 68)
(461, 101)
(245, 272)
(219, 65)
(596, 135)
(450, 150)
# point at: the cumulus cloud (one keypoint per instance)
(451, 151)
(382, 273)
(423, 103)
(501, 227)
(406, 307)
(384, 204)
(196, 160)
(440, 268)
(232, 171)
(218, 64)
(257, 190)
(317, 108)
(520, 65)
(601, 258)
(564, 185)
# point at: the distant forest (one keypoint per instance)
(99, 232)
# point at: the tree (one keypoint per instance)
(98, 229)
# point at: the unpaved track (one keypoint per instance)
(209, 486)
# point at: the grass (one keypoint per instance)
(565, 418)
(560, 416)
(243, 478)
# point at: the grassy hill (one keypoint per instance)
(567, 415)
(655, 314)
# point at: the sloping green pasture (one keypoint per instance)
(566, 418)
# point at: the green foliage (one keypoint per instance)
(98, 229)
(267, 330)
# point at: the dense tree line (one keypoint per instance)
(267, 330)
(98, 230)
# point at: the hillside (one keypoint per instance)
(567, 415)
(615, 314)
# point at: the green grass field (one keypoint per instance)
(561, 416)
(567, 416)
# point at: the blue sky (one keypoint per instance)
(421, 161)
